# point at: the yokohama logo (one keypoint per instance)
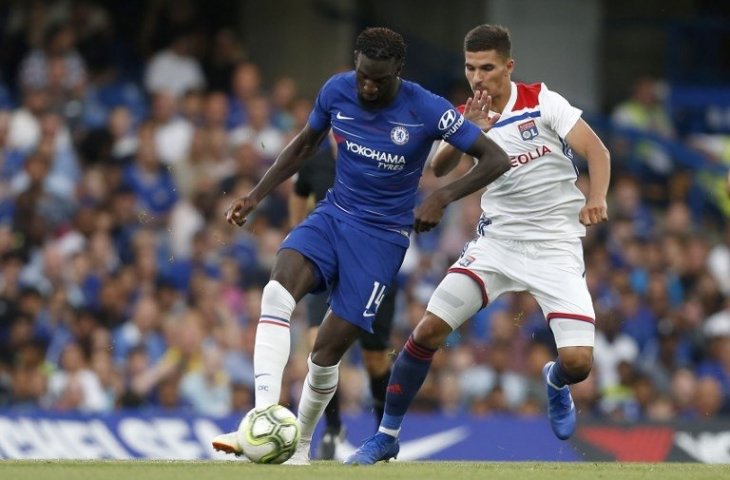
(374, 154)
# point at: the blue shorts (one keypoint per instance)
(358, 267)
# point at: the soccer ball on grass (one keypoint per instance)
(269, 435)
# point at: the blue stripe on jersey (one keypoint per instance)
(568, 152)
(525, 115)
(484, 222)
(272, 317)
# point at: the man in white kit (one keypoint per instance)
(529, 235)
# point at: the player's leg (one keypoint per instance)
(367, 267)
(572, 366)
(334, 338)
(273, 338)
(456, 299)
(568, 309)
(316, 311)
(292, 277)
(376, 353)
(304, 263)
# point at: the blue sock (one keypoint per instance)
(409, 372)
(559, 377)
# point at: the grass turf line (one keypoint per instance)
(234, 470)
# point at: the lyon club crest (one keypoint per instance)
(466, 261)
(399, 135)
(528, 130)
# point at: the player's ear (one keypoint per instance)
(510, 66)
(355, 56)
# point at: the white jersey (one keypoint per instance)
(537, 199)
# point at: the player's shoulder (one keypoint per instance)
(340, 81)
(415, 91)
(528, 95)
(534, 96)
(422, 101)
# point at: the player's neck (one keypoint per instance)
(386, 99)
(500, 100)
(394, 93)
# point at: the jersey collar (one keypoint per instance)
(512, 99)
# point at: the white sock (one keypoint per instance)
(389, 431)
(318, 389)
(273, 343)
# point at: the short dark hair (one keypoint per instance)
(380, 43)
(489, 37)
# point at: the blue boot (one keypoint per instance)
(376, 448)
(561, 409)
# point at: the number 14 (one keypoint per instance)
(376, 296)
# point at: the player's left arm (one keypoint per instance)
(492, 163)
(584, 140)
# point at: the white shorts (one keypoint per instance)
(552, 271)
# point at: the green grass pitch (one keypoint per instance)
(236, 470)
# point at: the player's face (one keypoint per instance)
(377, 80)
(488, 71)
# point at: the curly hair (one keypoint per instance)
(380, 43)
(489, 37)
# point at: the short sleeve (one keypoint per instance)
(558, 112)
(319, 118)
(448, 123)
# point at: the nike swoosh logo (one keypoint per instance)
(261, 375)
(415, 449)
(426, 446)
(340, 116)
(368, 314)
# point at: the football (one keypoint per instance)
(269, 435)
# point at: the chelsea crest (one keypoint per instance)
(399, 135)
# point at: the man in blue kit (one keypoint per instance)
(356, 238)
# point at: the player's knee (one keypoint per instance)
(431, 331)
(325, 357)
(294, 272)
(577, 362)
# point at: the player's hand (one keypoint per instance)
(477, 110)
(239, 210)
(594, 212)
(428, 214)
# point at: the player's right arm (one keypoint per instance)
(289, 161)
(476, 109)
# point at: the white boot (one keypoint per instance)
(228, 443)
(301, 455)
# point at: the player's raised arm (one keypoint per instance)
(289, 161)
(492, 162)
(477, 110)
(584, 140)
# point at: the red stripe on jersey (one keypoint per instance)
(477, 279)
(570, 316)
(461, 108)
(527, 95)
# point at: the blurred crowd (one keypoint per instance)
(122, 286)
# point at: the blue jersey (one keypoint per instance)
(381, 153)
